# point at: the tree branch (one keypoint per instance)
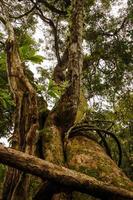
(117, 30)
(24, 14)
(52, 8)
(2, 44)
(2, 20)
(62, 176)
(54, 28)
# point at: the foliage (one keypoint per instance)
(55, 90)
(6, 104)
(2, 172)
(28, 50)
(47, 87)
(28, 47)
(108, 52)
(120, 121)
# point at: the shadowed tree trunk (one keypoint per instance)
(62, 117)
(25, 117)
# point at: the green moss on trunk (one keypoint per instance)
(89, 157)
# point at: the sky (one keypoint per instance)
(116, 9)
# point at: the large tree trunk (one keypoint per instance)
(63, 115)
(25, 117)
(66, 178)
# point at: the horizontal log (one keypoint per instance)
(61, 176)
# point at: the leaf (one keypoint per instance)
(36, 59)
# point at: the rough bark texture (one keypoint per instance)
(87, 156)
(65, 177)
(26, 112)
(25, 116)
(62, 117)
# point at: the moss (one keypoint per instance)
(89, 158)
(34, 185)
(58, 155)
(2, 174)
(47, 134)
(52, 145)
(89, 172)
(83, 107)
(84, 169)
(122, 182)
(103, 166)
(81, 196)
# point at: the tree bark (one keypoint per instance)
(62, 176)
(63, 115)
(25, 117)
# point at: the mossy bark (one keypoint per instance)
(88, 157)
(25, 117)
(63, 177)
(63, 116)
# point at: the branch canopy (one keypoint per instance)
(61, 175)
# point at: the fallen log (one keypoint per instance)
(62, 176)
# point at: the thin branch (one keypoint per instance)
(54, 28)
(117, 30)
(24, 14)
(122, 26)
(2, 20)
(51, 23)
(2, 44)
(52, 8)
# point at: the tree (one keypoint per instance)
(60, 139)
